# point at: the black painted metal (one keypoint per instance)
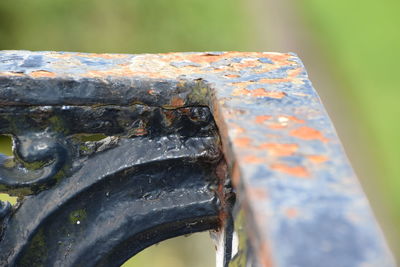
(97, 203)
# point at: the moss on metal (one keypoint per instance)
(36, 253)
(77, 216)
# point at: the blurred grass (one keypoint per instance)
(123, 26)
(196, 250)
(362, 39)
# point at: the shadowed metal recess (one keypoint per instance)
(236, 143)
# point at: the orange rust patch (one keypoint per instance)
(106, 56)
(235, 174)
(177, 102)
(206, 58)
(294, 73)
(292, 213)
(277, 125)
(140, 131)
(279, 57)
(259, 92)
(253, 159)
(262, 118)
(209, 58)
(308, 133)
(221, 172)
(240, 92)
(9, 73)
(317, 158)
(42, 73)
(151, 92)
(294, 119)
(280, 149)
(298, 171)
(242, 84)
(242, 142)
(232, 76)
(248, 63)
(264, 254)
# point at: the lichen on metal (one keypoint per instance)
(181, 127)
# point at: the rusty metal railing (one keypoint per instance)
(236, 143)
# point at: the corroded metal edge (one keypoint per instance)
(292, 177)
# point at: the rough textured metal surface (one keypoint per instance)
(298, 198)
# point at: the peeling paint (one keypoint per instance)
(280, 149)
(308, 133)
(318, 158)
(298, 171)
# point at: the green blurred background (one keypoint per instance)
(348, 47)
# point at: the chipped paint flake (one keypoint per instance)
(280, 149)
(297, 171)
(308, 133)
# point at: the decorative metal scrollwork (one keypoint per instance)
(97, 203)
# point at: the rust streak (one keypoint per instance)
(152, 92)
(308, 133)
(140, 131)
(232, 76)
(42, 74)
(259, 92)
(262, 118)
(242, 142)
(298, 171)
(317, 158)
(252, 159)
(10, 73)
(294, 119)
(277, 126)
(265, 257)
(177, 102)
(240, 92)
(280, 149)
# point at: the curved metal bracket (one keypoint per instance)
(39, 157)
(153, 179)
